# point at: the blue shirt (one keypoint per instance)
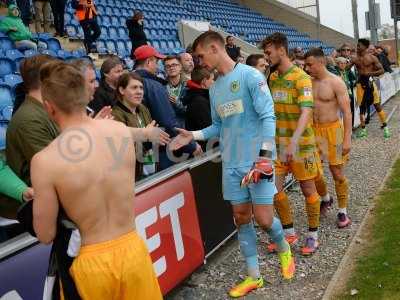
(242, 112)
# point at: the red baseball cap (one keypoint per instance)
(146, 51)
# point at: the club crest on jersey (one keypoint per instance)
(235, 86)
(307, 92)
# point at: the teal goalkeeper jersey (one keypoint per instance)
(243, 117)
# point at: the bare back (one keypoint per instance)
(326, 103)
(96, 186)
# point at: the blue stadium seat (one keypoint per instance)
(53, 44)
(3, 129)
(14, 54)
(6, 44)
(49, 52)
(63, 54)
(110, 45)
(7, 66)
(6, 113)
(113, 32)
(12, 80)
(79, 53)
(5, 95)
(30, 53)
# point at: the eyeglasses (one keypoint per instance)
(172, 66)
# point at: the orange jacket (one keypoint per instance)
(85, 10)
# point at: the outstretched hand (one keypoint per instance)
(182, 139)
(104, 113)
(154, 134)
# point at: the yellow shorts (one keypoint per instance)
(304, 168)
(329, 137)
(118, 269)
(360, 94)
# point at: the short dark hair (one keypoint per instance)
(123, 82)
(171, 57)
(364, 42)
(30, 70)
(228, 37)
(199, 73)
(316, 52)
(252, 59)
(277, 39)
(109, 64)
(206, 38)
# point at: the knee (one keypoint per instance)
(337, 173)
(264, 223)
(242, 218)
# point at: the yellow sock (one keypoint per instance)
(342, 192)
(312, 206)
(321, 186)
(382, 116)
(282, 206)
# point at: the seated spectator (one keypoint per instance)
(187, 65)
(42, 15)
(16, 30)
(197, 100)
(87, 16)
(136, 30)
(110, 71)
(30, 129)
(257, 61)
(12, 186)
(176, 87)
(232, 50)
(156, 99)
(130, 111)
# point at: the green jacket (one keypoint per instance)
(9, 22)
(10, 184)
(29, 131)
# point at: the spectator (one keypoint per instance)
(197, 99)
(12, 186)
(88, 70)
(176, 87)
(30, 129)
(13, 26)
(257, 61)
(187, 65)
(136, 30)
(298, 53)
(232, 50)
(299, 63)
(25, 9)
(380, 53)
(130, 111)
(331, 65)
(110, 71)
(345, 51)
(58, 9)
(156, 98)
(87, 16)
(42, 15)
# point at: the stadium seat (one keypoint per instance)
(30, 53)
(6, 44)
(3, 129)
(5, 95)
(6, 113)
(49, 52)
(53, 44)
(14, 54)
(12, 80)
(7, 66)
(63, 54)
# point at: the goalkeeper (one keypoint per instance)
(243, 117)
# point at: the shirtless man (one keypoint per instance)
(79, 174)
(368, 66)
(333, 138)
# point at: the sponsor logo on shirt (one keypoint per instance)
(235, 86)
(280, 96)
(307, 92)
(263, 86)
(234, 107)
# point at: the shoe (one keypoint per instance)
(245, 287)
(325, 206)
(362, 133)
(291, 239)
(343, 220)
(310, 246)
(386, 133)
(288, 266)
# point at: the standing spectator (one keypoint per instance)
(58, 9)
(345, 51)
(176, 87)
(87, 16)
(380, 53)
(197, 100)
(42, 14)
(187, 65)
(156, 99)
(232, 50)
(130, 111)
(16, 30)
(136, 30)
(110, 71)
(257, 61)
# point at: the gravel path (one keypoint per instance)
(221, 272)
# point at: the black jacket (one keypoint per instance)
(198, 111)
(383, 59)
(104, 96)
(233, 52)
(136, 34)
